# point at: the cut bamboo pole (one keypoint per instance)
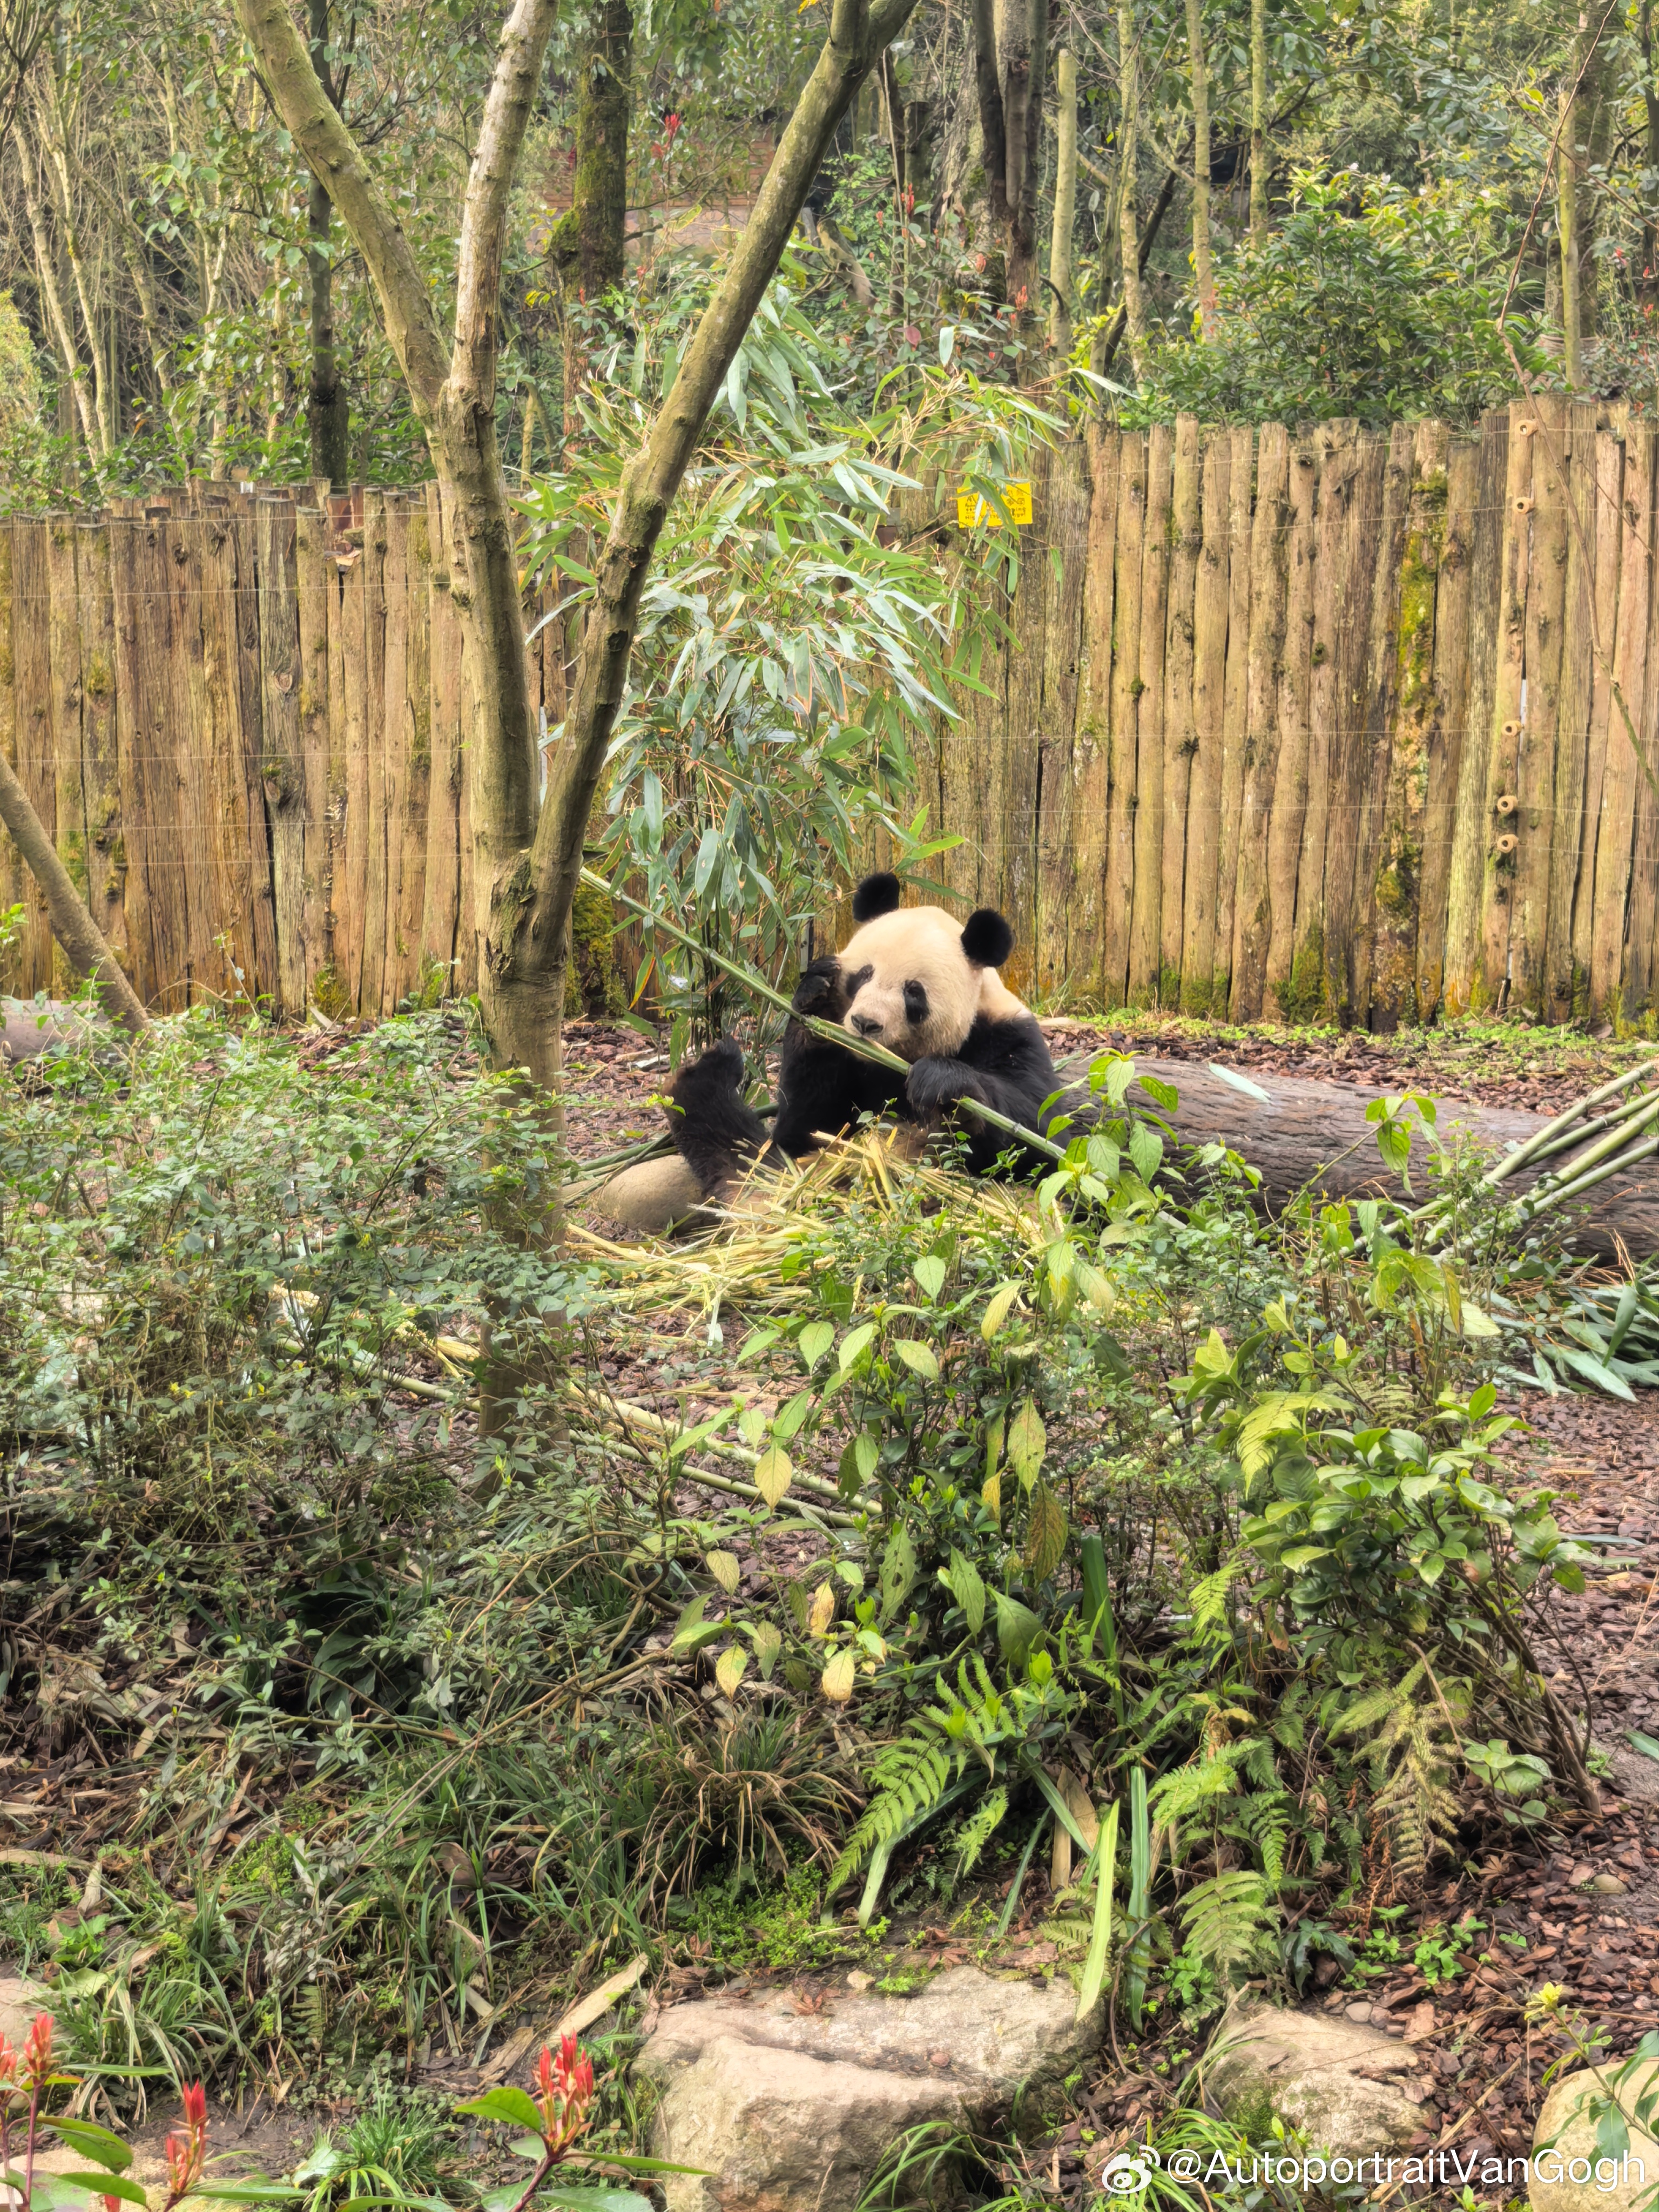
(1209, 693)
(100, 773)
(1307, 994)
(1362, 659)
(1290, 799)
(1626, 723)
(1533, 819)
(1147, 900)
(1180, 726)
(1448, 718)
(1012, 830)
(1126, 682)
(281, 754)
(417, 793)
(1235, 708)
(129, 749)
(11, 861)
(1064, 577)
(207, 911)
(351, 876)
(1610, 562)
(36, 768)
(1252, 906)
(1091, 755)
(62, 630)
(314, 565)
(377, 964)
(1503, 738)
(1573, 712)
(1463, 985)
(443, 858)
(395, 740)
(219, 732)
(1397, 870)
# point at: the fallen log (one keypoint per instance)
(1304, 1131)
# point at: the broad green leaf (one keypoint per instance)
(571, 2199)
(90, 2141)
(773, 1471)
(791, 1416)
(729, 1670)
(918, 1357)
(105, 2184)
(1045, 1539)
(814, 1339)
(838, 1678)
(1145, 1150)
(898, 1572)
(930, 1276)
(854, 1343)
(725, 1568)
(996, 1313)
(1027, 1443)
(1017, 1628)
(511, 2106)
(963, 1578)
(768, 1642)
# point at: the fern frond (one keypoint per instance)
(1227, 1919)
(978, 1830)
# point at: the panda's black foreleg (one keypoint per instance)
(715, 1130)
(937, 1086)
(822, 1087)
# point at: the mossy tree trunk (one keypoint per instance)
(1010, 42)
(327, 408)
(588, 246)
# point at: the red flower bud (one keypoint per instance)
(37, 2051)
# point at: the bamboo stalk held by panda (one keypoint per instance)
(832, 1032)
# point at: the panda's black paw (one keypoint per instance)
(718, 1070)
(933, 1086)
(818, 992)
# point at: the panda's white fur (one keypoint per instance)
(918, 945)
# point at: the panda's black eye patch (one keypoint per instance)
(915, 1004)
(856, 981)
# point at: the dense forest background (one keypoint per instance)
(1254, 209)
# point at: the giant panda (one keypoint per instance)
(926, 986)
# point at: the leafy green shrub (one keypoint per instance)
(1365, 302)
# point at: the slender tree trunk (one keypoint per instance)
(1060, 243)
(83, 943)
(55, 162)
(1258, 125)
(528, 860)
(604, 91)
(1203, 265)
(327, 408)
(1594, 117)
(1566, 179)
(57, 320)
(1022, 42)
(1650, 107)
(892, 110)
(1128, 229)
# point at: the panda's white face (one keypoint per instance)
(912, 987)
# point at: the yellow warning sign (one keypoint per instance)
(972, 510)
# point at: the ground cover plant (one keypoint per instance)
(818, 1585)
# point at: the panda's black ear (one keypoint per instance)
(987, 940)
(875, 895)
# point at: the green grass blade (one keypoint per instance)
(1100, 1938)
(1004, 1924)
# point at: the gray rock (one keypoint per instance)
(791, 2111)
(654, 1198)
(1565, 2136)
(1352, 2090)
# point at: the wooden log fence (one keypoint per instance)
(1314, 724)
